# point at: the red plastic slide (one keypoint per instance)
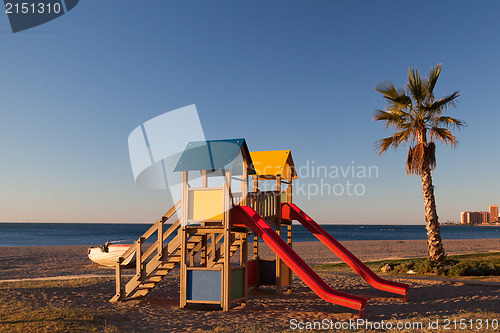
(290, 211)
(247, 217)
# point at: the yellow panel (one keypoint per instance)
(206, 205)
(272, 163)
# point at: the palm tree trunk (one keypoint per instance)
(434, 243)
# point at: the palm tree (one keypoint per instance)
(419, 121)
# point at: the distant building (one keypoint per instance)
(464, 218)
(475, 217)
(486, 217)
(494, 213)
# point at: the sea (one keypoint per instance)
(47, 234)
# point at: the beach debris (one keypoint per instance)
(386, 268)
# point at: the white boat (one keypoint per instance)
(108, 254)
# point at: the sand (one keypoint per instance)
(50, 261)
(159, 311)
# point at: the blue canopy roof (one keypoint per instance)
(216, 155)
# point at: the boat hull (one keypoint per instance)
(110, 258)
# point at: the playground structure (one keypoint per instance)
(215, 223)
(272, 167)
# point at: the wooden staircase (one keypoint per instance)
(153, 264)
(232, 250)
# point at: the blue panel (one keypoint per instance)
(215, 155)
(204, 285)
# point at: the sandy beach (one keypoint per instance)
(50, 261)
(159, 311)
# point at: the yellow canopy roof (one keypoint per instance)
(273, 163)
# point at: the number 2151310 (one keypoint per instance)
(32, 8)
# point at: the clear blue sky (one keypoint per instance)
(293, 75)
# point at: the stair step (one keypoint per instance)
(164, 268)
(143, 288)
(158, 275)
(151, 278)
(161, 269)
(149, 281)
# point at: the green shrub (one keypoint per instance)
(451, 267)
(480, 268)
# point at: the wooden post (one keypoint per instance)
(244, 184)
(289, 227)
(119, 289)
(204, 178)
(244, 251)
(277, 212)
(138, 257)
(213, 246)
(289, 236)
(289, 191)
(204, 244)
(191, 259)
(226, 302)
(160, 240)
(184, 217)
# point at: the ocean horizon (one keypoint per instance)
(57, 234)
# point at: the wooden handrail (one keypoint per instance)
(154, 227)
(166, 234)
(162, 220)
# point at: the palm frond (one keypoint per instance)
(444, 103)
(447, 121)
(419, 156)
(393, 118)
(413, 160)
(433, 77)
(430, 155)
(387, 89)
(402, 101)
(384, 144)
(394, 141)
(444, 135)
(416, 86)
(396, 97)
